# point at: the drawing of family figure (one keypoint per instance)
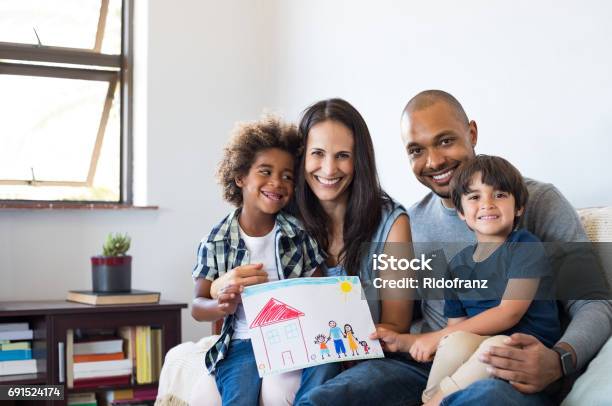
(337, 335)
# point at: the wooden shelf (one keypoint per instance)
(51, 319)
(25, 379)
(113, 387)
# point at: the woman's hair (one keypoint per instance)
(495, 172)
(365, 196)
(248, 139)
(349, 326)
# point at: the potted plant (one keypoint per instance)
(112, 271)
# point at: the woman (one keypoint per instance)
(341, 205)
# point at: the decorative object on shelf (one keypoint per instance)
(112, 271)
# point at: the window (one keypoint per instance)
(273, 336)
(291, 331)
(64, 79)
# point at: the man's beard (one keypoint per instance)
(441, 195)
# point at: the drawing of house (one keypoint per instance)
(281, 331)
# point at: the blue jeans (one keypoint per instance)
(237, 377)
(394, 380)
(314, 377)
(495, 392)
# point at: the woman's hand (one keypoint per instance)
(424, 346)
(245, 275)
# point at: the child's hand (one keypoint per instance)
(229, 298)
(389, 339)
(424, 346)
(247, 275)
(244, 275)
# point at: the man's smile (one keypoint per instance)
(442, 177)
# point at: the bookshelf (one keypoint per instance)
(50, 321)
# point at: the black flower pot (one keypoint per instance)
(111, 274)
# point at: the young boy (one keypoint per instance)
(257, 174)
(489, 195)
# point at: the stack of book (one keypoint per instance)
(82, 399)
(131, 397)
(16, 349)
(144, 347)
(96, 362)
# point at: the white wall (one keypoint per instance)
(205, 72)
(533, 74)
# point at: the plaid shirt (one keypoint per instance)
(297, 255)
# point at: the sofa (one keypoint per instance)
(183, 364)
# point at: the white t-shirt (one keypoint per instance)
(261, 250)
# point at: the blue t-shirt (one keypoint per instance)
(336, 333)
(522, 256)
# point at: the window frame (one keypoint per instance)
(14, 53)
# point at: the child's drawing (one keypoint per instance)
(280, 329)
(366, 347)
(350, 335)
(283, 314)
(321, 340)
(336, 334)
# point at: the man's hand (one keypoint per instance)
(424, 346)
(529, 366)
(245, 275)
(229, 298)
(389, 339)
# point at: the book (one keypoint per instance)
(113, 298)
(119, 394)
(143, 354)
(69, 358)
(105, 346)
(98, 357)
(16, 335)
(100, 382)
(19, 345)
(128, 334)
(82, 399)
(14, 326)
(156, 353)
(13, 355)
(131, 396)
(100, 366)
(101, 374)
(19, 367)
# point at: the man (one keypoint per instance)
(438, 137)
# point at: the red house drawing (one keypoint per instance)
(282, 334)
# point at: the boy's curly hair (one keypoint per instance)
(248, 139)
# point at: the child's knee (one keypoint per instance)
(456, 338)
(495, 341)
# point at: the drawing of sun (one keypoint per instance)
(346, 287)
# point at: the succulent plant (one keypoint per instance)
(116, 245)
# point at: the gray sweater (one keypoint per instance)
(549, 216)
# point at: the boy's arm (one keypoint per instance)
(204, 308)
(502, 317)
(455, 320)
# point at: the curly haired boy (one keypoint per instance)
(256, 173)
